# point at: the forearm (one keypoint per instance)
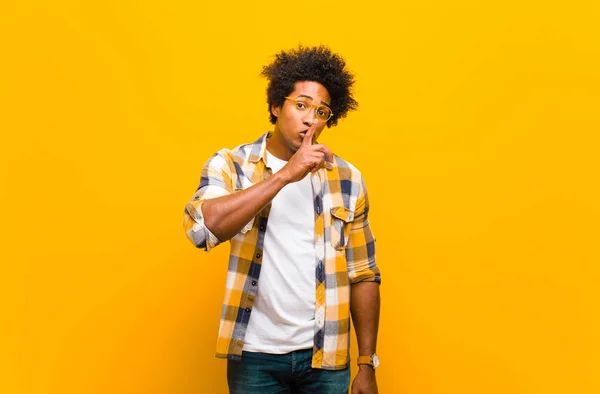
(226, 216)
(364, 308)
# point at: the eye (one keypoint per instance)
(301, 105)
(323, 112)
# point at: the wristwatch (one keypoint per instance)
(372, 360)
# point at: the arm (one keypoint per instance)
(217, 214)
(364, 291)
(364, 307)
(225, 216)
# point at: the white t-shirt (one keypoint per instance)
(283, 314)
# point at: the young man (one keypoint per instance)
(302, 251)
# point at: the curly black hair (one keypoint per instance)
(317, 64)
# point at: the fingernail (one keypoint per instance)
(328, 165)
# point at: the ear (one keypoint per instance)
(275, 110)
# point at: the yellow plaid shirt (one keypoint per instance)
(344, 246)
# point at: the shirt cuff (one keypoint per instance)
(200, 234)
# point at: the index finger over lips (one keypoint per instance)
(307, 141)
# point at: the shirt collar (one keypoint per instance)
(258, 148)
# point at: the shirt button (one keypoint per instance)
(262, 228)
(258, 255)
(253, 283)
(320, 321)
(247, 309)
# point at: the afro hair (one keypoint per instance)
(317, 64)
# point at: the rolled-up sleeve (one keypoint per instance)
(215, 181)
(360, 250)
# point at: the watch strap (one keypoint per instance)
(364, 360)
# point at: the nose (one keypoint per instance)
(310, 117)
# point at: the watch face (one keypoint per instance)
(375, 360)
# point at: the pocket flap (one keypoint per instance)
(342, 213)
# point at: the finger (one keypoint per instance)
(325, 150)
(318, 160)
(328, 154)
(307, 141)
(314, 167)
(318, 157)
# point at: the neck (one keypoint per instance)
(278, 148)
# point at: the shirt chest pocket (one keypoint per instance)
(341, 220)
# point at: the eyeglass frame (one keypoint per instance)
(316, 106)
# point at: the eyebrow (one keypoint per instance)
(322, 102)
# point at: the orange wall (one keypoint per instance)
(477, 135)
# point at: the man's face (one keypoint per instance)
(293, 123)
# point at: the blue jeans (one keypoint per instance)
(263, 373)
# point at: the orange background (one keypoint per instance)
(477, 135)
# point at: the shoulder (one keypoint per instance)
(240, 154)
(346, 170)
(242, 151)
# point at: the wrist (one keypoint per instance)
(366, 368)
(281, 178)
(371, 360)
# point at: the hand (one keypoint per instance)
(365, 382)
(308, 158)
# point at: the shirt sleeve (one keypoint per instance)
(215, 181)
(360, 250)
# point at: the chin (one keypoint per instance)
(295, 145)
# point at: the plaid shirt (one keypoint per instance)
(344, 246)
